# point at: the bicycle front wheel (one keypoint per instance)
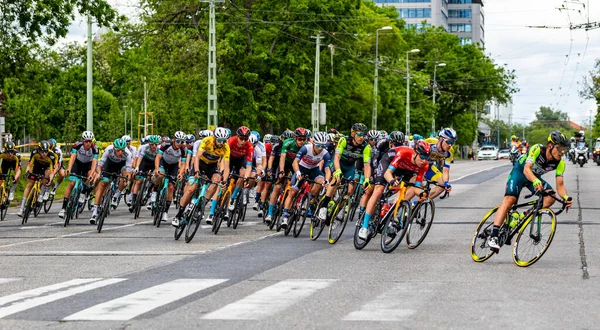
(534, 238)
(395, 228)
(302, 214)
(48, 203)
(422, 218)
(316, 225)
(339, 218)
(480, 250)
(4, 205)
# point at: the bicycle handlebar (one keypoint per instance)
(551, 193)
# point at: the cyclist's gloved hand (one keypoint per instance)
(366, 183)
(325, 182)
(395, 183)
(568, 201)
(337, 173)
(447, 186)
(537, 184)
(298, 176)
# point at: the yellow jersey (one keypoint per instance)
(209, 153)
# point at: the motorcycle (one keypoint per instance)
(597, 155)
(514, 154)
(572, 155)
(582, 155)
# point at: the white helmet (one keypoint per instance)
(320, 138)
(267, 138)
(126, 138)
(180, 135)
(208, 132)
(253, 139)
(221, 133)
(87, 135)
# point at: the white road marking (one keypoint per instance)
(395, 304)
(476, 172)
(8, 280)
(270, 300)
(25, 300)
(140, 302)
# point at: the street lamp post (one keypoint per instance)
(434, 89)
(408, 91)
(374, 119)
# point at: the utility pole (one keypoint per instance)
(90, 111)
(212, 119)
(408, 92)
(434, 90)
(315, 105)
(124, 120)
(145, 109)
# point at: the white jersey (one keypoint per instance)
(110, 155)
(309, 160)
(133, 150)
(196, 146)
(59, 153)
(146, 152)
(259, 152)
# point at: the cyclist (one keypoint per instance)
(143, 164)
(116, 160)
(60, 167)
(528, 172)
(259, 164)
(307, 164)
(84, 157)
(211, 159)
(514, 141)
(170, 160)
(399, 161)
(10, 159)
(347, 153)
(273, 153)
(41, 162)
(241, 153)
(442, 155)
(283, 159)
(396, 139)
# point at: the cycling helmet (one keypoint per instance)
(300, 132)
(211, 133)
(558, 138)
(320, 138)
(179, 135)
(87, 135)
(383, 134)
(514, 137)
(256, 134)
(581, 132)
(417, 137)
(598, 139)
(373, 134)
(43, 146)
(397, 137)
(252, 138)
(337, 137)
(448, 133)
(154, 139)
(126, 138)
(331, 136)
(287, 134)
(410, 138)
(573, 139)
(333, 131)
(10, 146)
(221, 133)
(308, 133)
(422, 148)
(243, 131)
(275, 139)
(359, 127)
(267, 138)
(190, 138)
(120, 144)
(166, 139)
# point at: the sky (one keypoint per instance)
(549, 63)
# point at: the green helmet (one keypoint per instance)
(154, 139)
(120, 144)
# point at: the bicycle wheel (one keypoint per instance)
(48, 203)
(360, 243)
(72, 205)
(194, 221)
(3, 204)
(241, 214)
(232, 214)
(104, 212)
(31, 199)
(162, 205)
(302, 214)
(534, 238)
(274, 216)
(420, 223)
(37, 208)
(480, 250)
(339, 219)
(395, 228)
(220, 213)
(316, 225)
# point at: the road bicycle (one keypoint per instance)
(34, 199)
(224, 198)
(278, 207)
(341, 211)
(194, 212)
(160, 205)
(5, 188)
(421, 218)
(534, 230)
(75, 198)
(300, 207)
(144, 192)
(104, 206)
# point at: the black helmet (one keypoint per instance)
(359, 127)
(397, 137)
(287, 134)
(43, 146)
(10, 146)
(558, 138)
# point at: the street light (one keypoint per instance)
(408, 91)
(374, 119)
(434, 89)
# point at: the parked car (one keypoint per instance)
(503, 154)
(487, 152)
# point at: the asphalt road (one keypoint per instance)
(136, 276)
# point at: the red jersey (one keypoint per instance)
(268, 149)
(404, 160)
(239, 152)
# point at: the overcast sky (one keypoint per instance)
(549, 63)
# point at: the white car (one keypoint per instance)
(504, 154)
(487, 152)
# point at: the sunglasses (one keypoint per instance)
(450, 142)
(179, 141)
(243, 138)
(320, 146)
(87, 141)
(424, 156)
(221, 140)
(561, 148)
(301, 139)
(359, 134)
(44, 152)
(152, 144)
